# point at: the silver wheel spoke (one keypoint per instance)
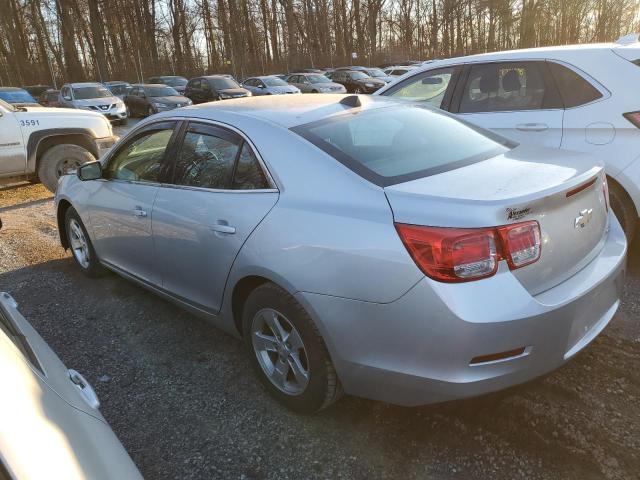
(264, 342)
(280, 371)
(294, 341)
(271, 317)
(302, 376)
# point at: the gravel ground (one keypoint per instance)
(181, 396)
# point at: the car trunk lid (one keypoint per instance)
(562, 191)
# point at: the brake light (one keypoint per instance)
(605, 192)
(633, 117)
(466, 254)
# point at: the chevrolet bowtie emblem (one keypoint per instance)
(584, 218)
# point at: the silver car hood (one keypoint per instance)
(94, 102)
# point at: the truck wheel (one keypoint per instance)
(58, 161)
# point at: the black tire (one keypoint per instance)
(58, 160)
(623, 207)
(93, 269)
(323, 387)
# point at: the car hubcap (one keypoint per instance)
(280, 351)
(79, 244)
(65, 166)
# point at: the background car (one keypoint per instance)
(50, 98)
(119, 89)
(36, 90)
(94, 97)
(373, 72)
(50, 422)
(397, 71)
(314, 83)
(214, 87)
(569, 97)
(148, 98)
(356, 81)
(18, 97)
(403, 253)
(269, 85)
(175, 81)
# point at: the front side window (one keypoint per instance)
(429, 87)
(395, 144)
(357, 75)
(142, 159)
(161, 92)
(274, 82)
(222, 83)
(318, 79)
(502, 87)
(574, 89)
(207, 158)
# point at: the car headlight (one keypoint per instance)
(249, 94)
(325, 89)
(189, 102)
(224, 95)
(369, 85)
(160, 105)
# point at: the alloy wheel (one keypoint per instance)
(280, 351)
(79, 244)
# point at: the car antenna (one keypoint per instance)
(351, 101)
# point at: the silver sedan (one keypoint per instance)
(359, 245)
(314, 83)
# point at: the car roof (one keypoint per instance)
(166, 76)
(12, 89)
(284, 110)
(150, 85)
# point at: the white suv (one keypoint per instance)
(581, 97)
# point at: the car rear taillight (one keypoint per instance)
(633, 117)
(466, 254)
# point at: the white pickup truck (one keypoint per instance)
(39, 143)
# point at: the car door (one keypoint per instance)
(219, 194)
(13, 157)
(515, 99)
(121, 202)
(131, 100)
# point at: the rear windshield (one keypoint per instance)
(174, 81)
(17, 96)
(120, 89)
(318, 79)
(161, 92)
(396, 144)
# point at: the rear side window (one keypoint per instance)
(508, 86)
(248, 174)
(574, 89)
(429, 87)
(397, 144)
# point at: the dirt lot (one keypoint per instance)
(181, 397)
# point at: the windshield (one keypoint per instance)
(358, 75)
(222, 83)
(376, 72)
(17, 96)
(174, 81)
(161, 92)
(274, 82)
(318, 79)
(396, 144)
(86, 93)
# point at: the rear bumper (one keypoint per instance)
(417, 350)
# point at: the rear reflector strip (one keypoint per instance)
(582, 187)
(493, 357)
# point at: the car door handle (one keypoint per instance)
(532, 127)
(139, 212)
(223, 228)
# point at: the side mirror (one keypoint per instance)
(67, 98)
(262, 86)
(90, 171)
(432, 81)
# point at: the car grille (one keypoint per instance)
(102, 108)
